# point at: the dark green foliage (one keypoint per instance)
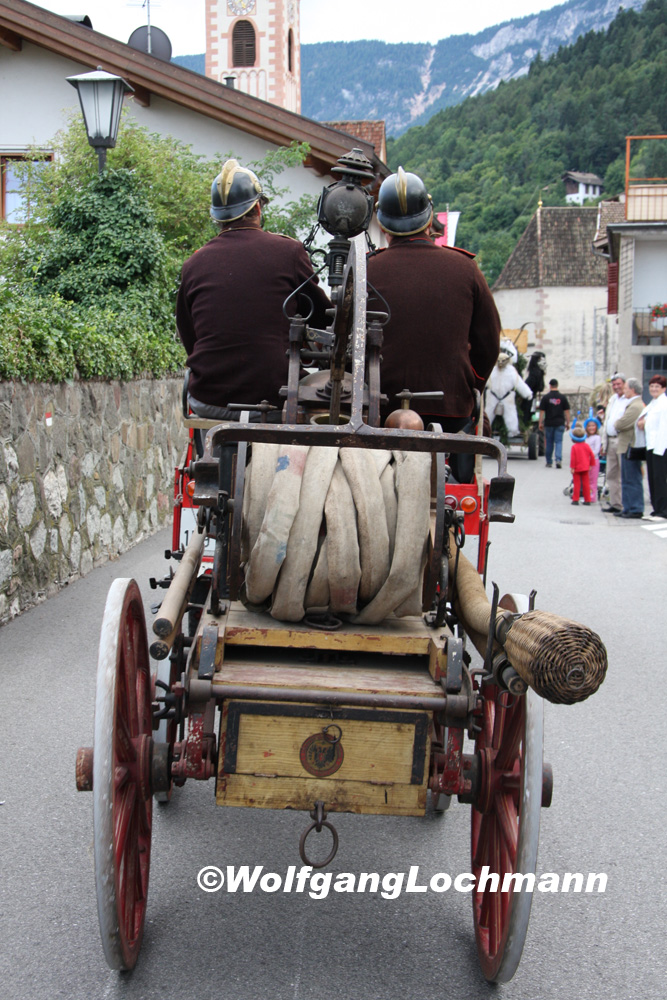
(493, 157)
(103, 238)
(89, 283)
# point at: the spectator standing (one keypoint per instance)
(615, 409)
(653, 421)
(594, 442)
(554, 421)
(581, 461)
(632, 482)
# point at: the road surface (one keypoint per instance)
(608, 815)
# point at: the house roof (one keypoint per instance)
(372, 132)
(555, 250)
(583, 178)
(608, 212)
(25, 22)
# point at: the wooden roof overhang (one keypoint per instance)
(21, 21)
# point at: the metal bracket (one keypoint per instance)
(207, 650)
(454, 680)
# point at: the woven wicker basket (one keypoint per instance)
(563, 661)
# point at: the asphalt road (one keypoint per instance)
(608, 815)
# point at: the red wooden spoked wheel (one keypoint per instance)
(505, 824)
(121, 775)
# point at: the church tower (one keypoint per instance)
(253, 45)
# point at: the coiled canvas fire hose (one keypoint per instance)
(345, 532)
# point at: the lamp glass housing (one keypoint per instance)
(101, 96)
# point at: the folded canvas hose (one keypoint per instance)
(282, 502)
(561, 660)
(341, 531)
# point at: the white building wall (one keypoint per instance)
(568, 324)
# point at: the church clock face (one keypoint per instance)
(236, 7)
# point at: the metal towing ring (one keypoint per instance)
(319, 821)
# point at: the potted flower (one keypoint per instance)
(659, 311)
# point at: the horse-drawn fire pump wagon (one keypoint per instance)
(323, 658)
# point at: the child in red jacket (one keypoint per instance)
(581, 460)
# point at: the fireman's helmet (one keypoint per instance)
(404, 205)
(234, 192)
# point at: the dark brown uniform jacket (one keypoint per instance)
(230, 317)
(444, 331)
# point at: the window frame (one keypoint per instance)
(243, 47)
(6, 157)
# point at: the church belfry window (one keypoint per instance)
(290, 51)
(243, 44)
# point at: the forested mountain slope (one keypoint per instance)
(406, 84)
(493, 156)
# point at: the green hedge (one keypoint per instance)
(48, 339)
(88, 281)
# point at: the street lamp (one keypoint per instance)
(101, 97)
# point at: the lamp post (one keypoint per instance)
(101, 96)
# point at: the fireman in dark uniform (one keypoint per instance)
(229, 310)
(444, 330)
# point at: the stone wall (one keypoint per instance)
(86, 471)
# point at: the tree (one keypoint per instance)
(90, 279)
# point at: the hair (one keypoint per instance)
(612, 378)
(635, 385)
(660, 380)
(553, 381)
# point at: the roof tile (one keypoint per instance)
(555, 250)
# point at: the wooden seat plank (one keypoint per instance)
(418, 683)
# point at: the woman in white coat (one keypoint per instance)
(653, 421)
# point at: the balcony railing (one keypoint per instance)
(648, 331)
(645, 197)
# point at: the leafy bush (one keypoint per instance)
(89, 282)
(102, 237)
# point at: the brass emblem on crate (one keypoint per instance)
(322, 753)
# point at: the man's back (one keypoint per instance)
(230, 314)
(444, 328)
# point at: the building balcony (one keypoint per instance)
(646, 202)
(648, 331)
(645, 197)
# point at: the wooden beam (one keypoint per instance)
(141, 95)
(10, 40)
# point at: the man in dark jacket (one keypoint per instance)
(444, 330)
(554, 420)
(229, 310)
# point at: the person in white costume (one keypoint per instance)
(503, 385)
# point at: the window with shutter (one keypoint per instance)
(243, 44)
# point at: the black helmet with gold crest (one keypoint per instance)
(404, 206)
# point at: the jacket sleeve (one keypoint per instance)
(629, 417)
(314, 291)
(186, 330)
(484, 336)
